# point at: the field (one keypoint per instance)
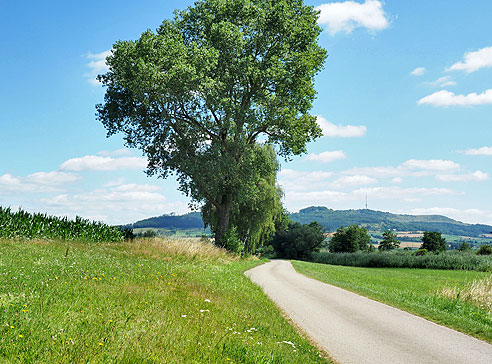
(150, 301)
(423, 292)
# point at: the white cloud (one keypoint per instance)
(293, 180)
(36, 182)
(397, 180)
(447, 98)
(115, 205)
(419, 71)
(474, 61)
(473, 216)
(355, 180)
(97, 66)
(98, 163)
(468, 177)
(326, 157)
(441, 82)
(345, 131)
(52, 178)
(479, 151)
(432, 164)
(348, 15)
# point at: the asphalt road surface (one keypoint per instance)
(355, 329)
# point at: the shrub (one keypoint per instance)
(421, 251)
(452, 260)
(433, 241)
(464, 247)
(349, 239)
(232, 242)
(298, 241)
(485, 250)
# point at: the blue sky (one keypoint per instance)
(405, 100)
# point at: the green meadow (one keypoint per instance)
(149, 301)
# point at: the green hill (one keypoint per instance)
(333, 219)
(380, 221)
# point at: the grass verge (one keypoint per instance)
(419, 291)
(157, 301)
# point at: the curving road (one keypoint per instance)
(355, 329)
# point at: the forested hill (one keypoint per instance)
(333, 219)
(380, 221)
(192, 220)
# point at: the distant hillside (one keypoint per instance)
(333, 219)
(380, 221)
(192, 220)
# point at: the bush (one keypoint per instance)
(464, 247)
(232, 242)
(349, 239)
(433, 241)
(405, 259)
(421, 252)
(298, 241)
(485, 250)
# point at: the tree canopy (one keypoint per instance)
(349, 240)
(433, 241)
(298, 241)
(389, 241)
(196, 95)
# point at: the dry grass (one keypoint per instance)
(478, 292)
(192, 248)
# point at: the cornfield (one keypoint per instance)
(24, 225)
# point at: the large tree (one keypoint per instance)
(196, 95)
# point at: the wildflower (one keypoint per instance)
(183, 315)
(21, 336)
(207, 300)
(101, 344)
(204, 310)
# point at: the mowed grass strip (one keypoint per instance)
(150, 301)
(419, 291)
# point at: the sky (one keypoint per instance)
(404, 101)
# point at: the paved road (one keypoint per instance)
(355, 329)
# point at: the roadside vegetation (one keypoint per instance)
(437, 295)
(453, 260)
(24, 225)
(146, 301)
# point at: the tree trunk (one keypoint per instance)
(223, 215)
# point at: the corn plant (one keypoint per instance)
(25, 225)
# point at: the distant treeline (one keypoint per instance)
(25, 225)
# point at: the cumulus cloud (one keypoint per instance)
(115, 204)
(432, 164)
(293, 180)
(326, 157)
(99, 163)
(355, 180)
(348, 15)
(465, 215)
(345, 131)
(297, 199)
(473, 61)
(419, 71)
(441, 82)
(397, 180)
(97, 66)
(36, 182)
(445, 98)
(479, 151)
(467, 177)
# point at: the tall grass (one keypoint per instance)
(25, 225)
(478, 292)
(404, 259)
